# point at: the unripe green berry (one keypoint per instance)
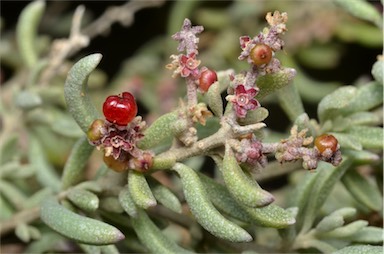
(94, 132)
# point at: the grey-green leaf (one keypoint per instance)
(151, 236)
(74, 167)
(76, 91)
(272, 82)
(140, 191)
(203, 210)
(363, 10)
(79, 228)
(167, 198)
(127, 202)
(243, 189)
(214, 99)
(377, 70)
(365, 192)
(360, 249)
(26, 31)
(369, 137)
(83, 199)
(326, 176)
(163, 128)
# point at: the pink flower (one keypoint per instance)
(244, 100)
(189, 65)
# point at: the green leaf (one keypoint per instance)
(326, 176)
(76, 91)
(330, 105)
(364, 118)
(74, 167)
(214, 99)
(205, 213)
(372, 235)
(362, 9)
(329, 223)
(83, 199)
(273, 82)
(111, 204)
(28, 100)
(26, 31)
(360, 249)
(369, 137)
(242, 188)
(140, 191)
(346, 230)
(362, 157)
(166, 197)
(77, 227)
(22, 232)
(152, 237)
(290, 101)
(347, 141)
(9, 148)
(45, 173)
(254, 116)
(364, 191)
(127, 202)
(377, 70)
(165, 127)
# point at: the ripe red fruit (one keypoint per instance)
(120, 109)
(326, 141)
(261, 54)
(207, 78)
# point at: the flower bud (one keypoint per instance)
(95, 130)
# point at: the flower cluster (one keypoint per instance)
(259, 52)
(118, 135)
(294, 148)
(249, 150)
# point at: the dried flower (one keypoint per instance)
(187, 37)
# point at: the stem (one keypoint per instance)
(191, 93)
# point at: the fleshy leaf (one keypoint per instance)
(372, 235)
(83, 199)
(370, 137)
(26, 31)
(273, 82)
(214, 99)
(365, 192)
(127, 202)
(346, 230)
(362, 9)
(76, 91)
(290, 101)
(139, 190)
(203, 210)
(326, 177)
(74, 167)
(165, 127)
(360, 249)
(167, 198)
(151, 236)
(243, 189)
(79, 228)
(377, 70)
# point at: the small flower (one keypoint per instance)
(200, 113)
(189, 65)
(251, 152)
(243, 100)
(185, 65)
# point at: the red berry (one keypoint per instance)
(261, 54)
(120, 109)
(326, 141)
(207, 78)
